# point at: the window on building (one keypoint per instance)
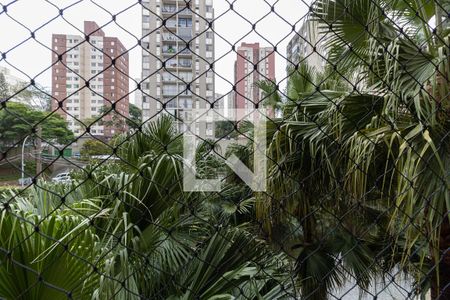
(185, 22)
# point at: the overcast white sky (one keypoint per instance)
(42, 17)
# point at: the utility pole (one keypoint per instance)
(39, 151)
(23, 160)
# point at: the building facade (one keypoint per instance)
(307, 44)
(90, 80)
(138, 95)
(253, 64)
(177, 56)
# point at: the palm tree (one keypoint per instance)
(47, 253)
(379, 144)
(405, 60)
(126, 230)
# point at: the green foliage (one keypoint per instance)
(45, 261)
(95, 147)
(108, 117)
(135, 118)
(358, 183)
(270, 97)
(225, 129)
(6, 191)
(18, 120)
(366, 135)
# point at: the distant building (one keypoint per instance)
(177, 55)
(138, 95)
(224, 104)
(302, 46)
(253, 64)
(90, 75)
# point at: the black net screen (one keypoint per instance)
(224, 149)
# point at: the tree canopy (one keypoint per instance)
(94, 147)
(135, 118)
(18, 120)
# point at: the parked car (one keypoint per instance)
(62, 177)
(25, 181)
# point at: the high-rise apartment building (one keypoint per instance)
(90, 77)
(253, 64)
(177, 56)
(138, 95)
(307, 44)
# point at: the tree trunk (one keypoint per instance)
(441, 290)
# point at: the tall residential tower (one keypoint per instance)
(307, 45)
(90, 77)
(177, 56)
(253, 64)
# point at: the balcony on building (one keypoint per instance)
(171, 91)
(169, 50)
(169, 78)
(171, 63)
(171, 104)
(168, 9)
(184, 63)
(185, 52)
(172, 50)
(170, 23)
(185, 33)
(179, 63)
(184, 12)
(169, 37)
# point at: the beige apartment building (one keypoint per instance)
(89, 76)
(307, 44)
(177, 56)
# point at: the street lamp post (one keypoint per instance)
(23, 162)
